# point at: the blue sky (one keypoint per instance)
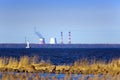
(90, 21)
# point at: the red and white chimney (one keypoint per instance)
(69, 37)
(61, 40)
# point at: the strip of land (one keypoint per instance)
(31, 64)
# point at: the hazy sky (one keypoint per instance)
(90, 21)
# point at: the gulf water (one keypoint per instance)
(59, 56)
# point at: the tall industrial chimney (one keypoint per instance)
(69, 37)
(61, 40)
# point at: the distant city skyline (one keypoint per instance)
(89, 21)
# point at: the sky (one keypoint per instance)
(90, 21)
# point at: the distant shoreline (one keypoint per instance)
(33, 45)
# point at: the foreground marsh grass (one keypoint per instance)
(32, 64)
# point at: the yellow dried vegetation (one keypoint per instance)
(32, 64)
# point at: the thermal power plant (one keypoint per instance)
(69, 37)
(53, 40)
(42, 41)
(61, 39)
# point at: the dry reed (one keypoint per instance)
(31, 64)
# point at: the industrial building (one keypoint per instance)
(53, 40)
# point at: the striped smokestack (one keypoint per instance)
(61, 40)
(69, 37)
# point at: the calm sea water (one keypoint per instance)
(31, 76)
(63, 56)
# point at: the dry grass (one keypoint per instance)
(31, 64)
